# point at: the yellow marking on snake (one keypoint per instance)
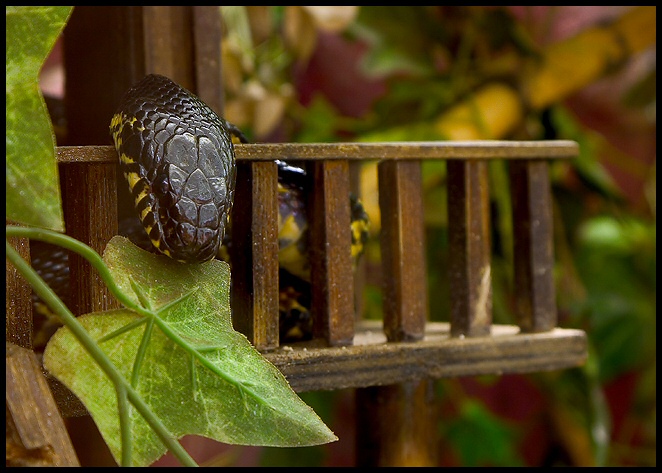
(144, 213)
(126, 159)
(116, 121)
(290, 257)
(157, 242)
(289, 230)
(358, 228)
(132, 178)
(117, 125)
(141, 196)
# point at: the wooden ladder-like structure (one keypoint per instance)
(392, 362)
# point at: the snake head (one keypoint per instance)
(178, 159)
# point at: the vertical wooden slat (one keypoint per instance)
(18, 298)
(90, 214)
(469, 248)
(396, 425)
(104, 56)
(207, 32)
(403, 250)
(169, 43)
(254, 253)
(533, 239)
(330, 253)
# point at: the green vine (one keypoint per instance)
(124, 389)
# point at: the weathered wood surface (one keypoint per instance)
(371, 361)
(35, 432)
(169, 54)
(92, 187)
(104, 56)
(396, 425)
(207, 33)
(533, 237)
(18, 298)
(469, 253)
(254, 253)
(403, 250)
(332, 278)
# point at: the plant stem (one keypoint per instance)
(86, 252)
(84, 338)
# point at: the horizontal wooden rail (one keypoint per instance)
(553, 149)
(371, 361)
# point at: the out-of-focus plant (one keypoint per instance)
(260, 48)
(422, 73)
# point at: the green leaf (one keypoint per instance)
(195, 372)
(33, 190)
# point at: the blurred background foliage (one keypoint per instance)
(343, 73)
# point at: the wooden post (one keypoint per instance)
(90, 214)
(35, 435)
(403, 250)
(469, 246)
(207, 33)
(533, 239)
(104, 56)
(254, 253)
(396, 425)
(169, 44)
(330, 253)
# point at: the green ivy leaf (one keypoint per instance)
(33, 190)
(203, 378)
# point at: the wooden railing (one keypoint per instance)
(348, 352)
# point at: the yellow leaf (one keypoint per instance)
(490, 113)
